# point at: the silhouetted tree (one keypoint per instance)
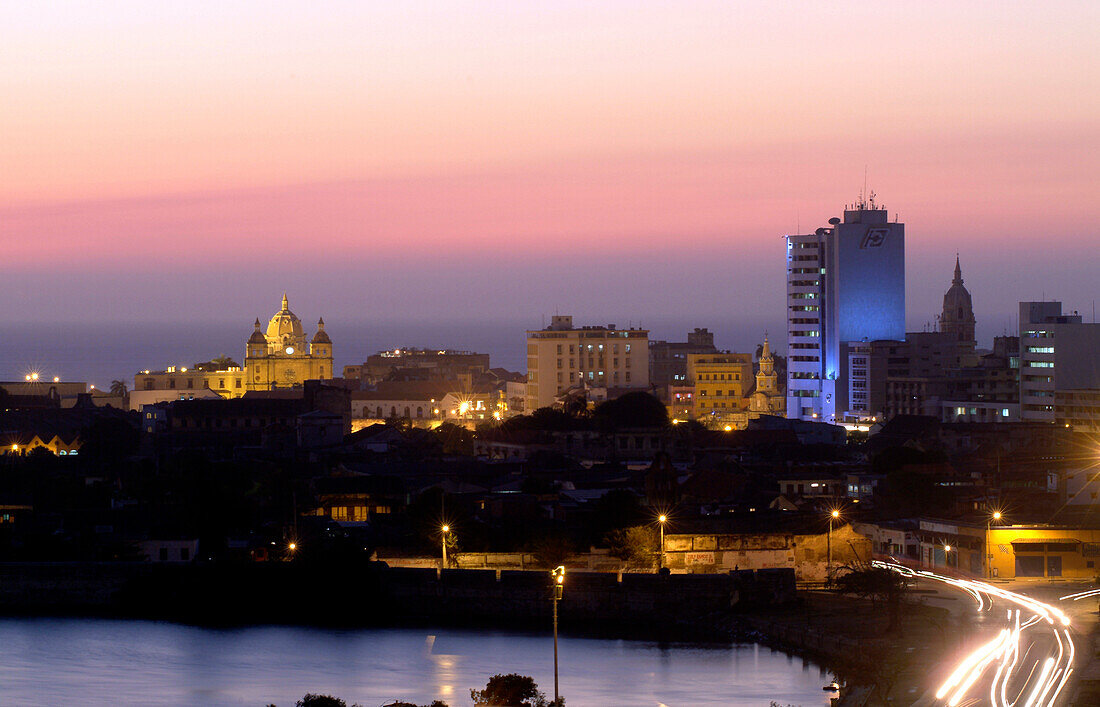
(511, 690)
(631, 411)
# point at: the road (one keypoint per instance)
(1024, 648)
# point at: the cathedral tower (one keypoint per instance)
(957, 318)
(282, 357)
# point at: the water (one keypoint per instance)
(108, 662)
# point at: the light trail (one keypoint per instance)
(1041, 679)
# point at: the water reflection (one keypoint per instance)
(101, 662)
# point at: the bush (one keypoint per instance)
(511, 690)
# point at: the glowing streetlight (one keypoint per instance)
(292, 547)
(834, 515)
(558, 576)
(446, 529)
(996, 515)
(661, 520)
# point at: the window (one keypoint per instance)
(628, 348)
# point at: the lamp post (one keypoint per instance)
(661, 519)
(988, 550)
(835, 514)
(947, 556)
(558, 576)
(446, 529)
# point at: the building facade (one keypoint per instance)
(668, 361)
(1059, 354)
(281, 357)
(561, 357)
(845, 283)
(957, 317)
(722, 382)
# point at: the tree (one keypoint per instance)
(511, 690)
(311, 700)
(632, 410)
(618, 508)
(635, 547)
(552, 551)
(877, 583)
(119, 389)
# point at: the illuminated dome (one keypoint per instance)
(285, 327)
(321, 337)
(257, 335)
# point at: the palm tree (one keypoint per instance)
(119, 389)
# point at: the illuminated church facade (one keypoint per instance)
(281, 357)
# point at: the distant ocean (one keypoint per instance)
(100, 353)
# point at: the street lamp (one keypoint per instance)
(996, 515)
(558, 576)
(446, 529)
(661, 519)
(834, 515)
(947, 556)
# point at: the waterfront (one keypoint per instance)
(51, 661)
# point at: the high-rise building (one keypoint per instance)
(560, 357)
(845, 284)
(1059, 357)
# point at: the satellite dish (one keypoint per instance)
(834, 221)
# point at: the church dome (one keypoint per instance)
(321, 337)
(957, 317)
(285, 325)
(257, 335)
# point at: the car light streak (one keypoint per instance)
(1042, 680)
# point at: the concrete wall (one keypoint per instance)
(687, 605)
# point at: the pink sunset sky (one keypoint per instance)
(481, 160)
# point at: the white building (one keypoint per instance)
(845, 284)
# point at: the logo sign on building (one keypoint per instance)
(698, 558)
(875, 237)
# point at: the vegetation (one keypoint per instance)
(512, 690)
(876, 584)
(635, 547)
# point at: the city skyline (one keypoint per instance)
(433, 162)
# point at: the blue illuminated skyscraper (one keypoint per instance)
(845, 283)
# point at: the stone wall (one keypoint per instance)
(805, 555)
